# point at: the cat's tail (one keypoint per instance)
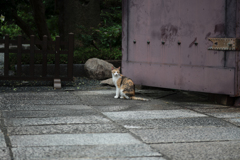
(139, 98)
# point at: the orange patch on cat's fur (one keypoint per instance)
(124, 86)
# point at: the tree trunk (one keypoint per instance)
(23, 25)
(40, 19)
(74, 13)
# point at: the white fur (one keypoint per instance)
(115, 77)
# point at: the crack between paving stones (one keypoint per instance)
(6, 137)
(119, 125)
(60, 124)
(194, 142)
(223, 119)
(129, 132)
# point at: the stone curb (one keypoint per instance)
(78, 69)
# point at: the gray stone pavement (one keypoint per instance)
(90, 125)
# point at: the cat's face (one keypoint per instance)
(116, 71)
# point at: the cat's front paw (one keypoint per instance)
(115, 96)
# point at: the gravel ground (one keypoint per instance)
(79, 83)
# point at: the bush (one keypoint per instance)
(103, 37)
(108, 34)
(11, 29)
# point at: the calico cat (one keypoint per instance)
(125, 87)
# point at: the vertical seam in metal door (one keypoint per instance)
(127, 29)
(225, 33)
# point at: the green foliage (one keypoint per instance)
(112, 16)
(104, 37)
(106, 4)
(24, 11)
(102, 42)
(110, 36)
(11, 29)
(52, 23)
(109, 32)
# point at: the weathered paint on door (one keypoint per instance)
(165, 44)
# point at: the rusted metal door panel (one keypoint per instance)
(186, 78)
(138, 29)
(230, 59)
(165, 44)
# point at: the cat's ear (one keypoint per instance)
(119, 68)
(112, 67)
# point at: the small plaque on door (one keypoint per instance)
(232, 44)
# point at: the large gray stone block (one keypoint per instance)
(66, 129)
(101, 152)
(98, 69)
(188, 134)
(154, 114)
(56, 120)
(74, 139)
(201, 151)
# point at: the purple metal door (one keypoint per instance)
(165, 44)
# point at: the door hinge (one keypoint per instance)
(232, 44)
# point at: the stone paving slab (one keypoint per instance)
(235, 121)
(201, 105)
(111, 108)
(70, 125)
(221, 112)
(29, 96)
(228, 150)
(73, 139)
(26, 107)
(56, 120)
(107, 100)
(218, 110)
(52, 93)
(15, 96)
(133, 106)
(154, 94)
(35, 107)
(51, 113)
(174, 123)
(188, 134)
(154, 105)
(2, 141)
(66, 129)
(225, 115)
(46, 101)
(4, 153)
(88, 93)
(93, 151)
(154, 114)
(183, 96)
(138, 158)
